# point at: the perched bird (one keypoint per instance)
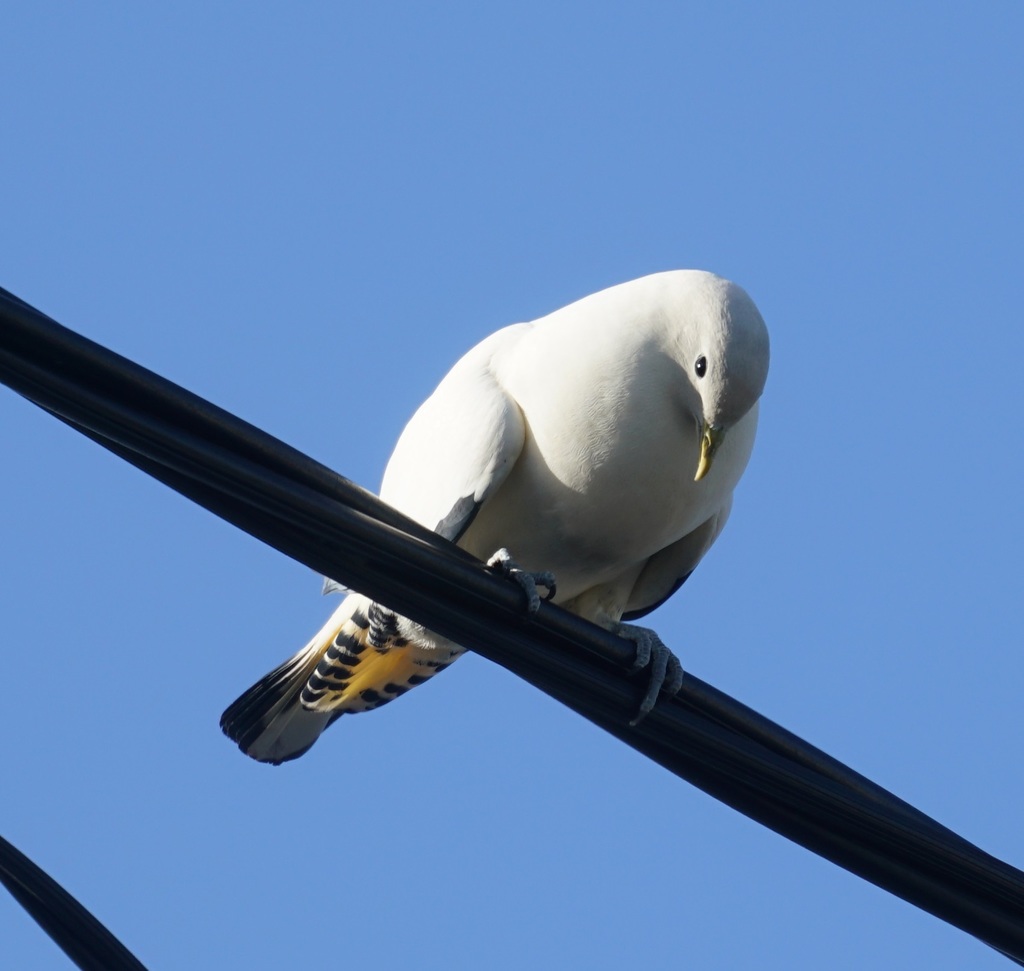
(600, 444)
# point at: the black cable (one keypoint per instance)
(80, 935)
(303, 509)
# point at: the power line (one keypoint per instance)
(305, 510)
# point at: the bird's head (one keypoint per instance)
(721, 344)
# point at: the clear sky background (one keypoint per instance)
(307, 215)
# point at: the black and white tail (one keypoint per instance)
(357, 662)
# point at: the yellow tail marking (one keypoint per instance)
(354, 676)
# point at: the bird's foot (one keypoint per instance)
(666, 671)
(503, 563)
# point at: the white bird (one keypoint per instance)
(600, 444)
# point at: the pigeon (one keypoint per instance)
(593, 451)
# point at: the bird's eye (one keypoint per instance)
(701, 366)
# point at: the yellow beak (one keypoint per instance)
(710, 439)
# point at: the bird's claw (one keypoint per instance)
(666, 671)
(503, 563)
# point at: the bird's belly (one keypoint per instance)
(599, 512)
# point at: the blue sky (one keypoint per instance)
(307, 216)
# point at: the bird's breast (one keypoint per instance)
(590, 497)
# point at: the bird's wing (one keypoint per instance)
(460, 445)
(669, 569)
